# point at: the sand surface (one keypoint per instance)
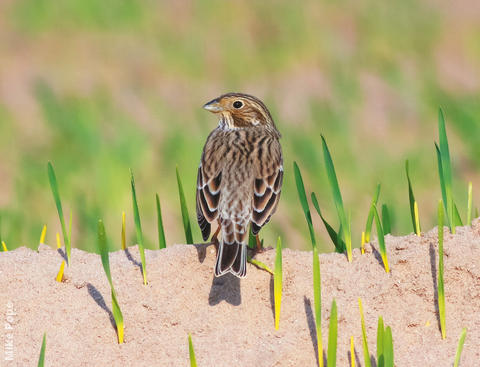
(231, 321)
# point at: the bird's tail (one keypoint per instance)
(231, 256)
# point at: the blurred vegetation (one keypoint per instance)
(98, 87)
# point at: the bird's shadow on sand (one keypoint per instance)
(225, 288)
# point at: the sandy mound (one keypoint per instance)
(231, 321)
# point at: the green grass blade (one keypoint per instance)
(388, 348)
(456, 216)
(440, 282)
(138, 228)
(337, 197)
(183, 206)
(440, 176)
(460, 347)
(260, 265)
(332, 337)
(381, 239)
(368, 225)
(469, 204)
(124, 241)
(337, 241)
(302, 196)
(103, 247)
(161, 233)
(411, 198)
(41, 358)
(277, 283)
(191, 352)
(117, 316)
(252, 242)
(56, 196)
(317, 301)
(366, 353)
(386, 223)
(445, 170)
(380, 348)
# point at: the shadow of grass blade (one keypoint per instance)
(368, 225)
(388, 347)
(138, 228)
(337, 241)
(161, 233)
(366, 353)
(386, 222)
(440, 281)
(41, 358)
(458, 354)
(56, 196)
(277, 283)
(381, 239)
(317, 301)
(183, 206)
(103, 248)
(191, 352)
(337, 197)
(411, 198)
(332, 337)
(302, 196)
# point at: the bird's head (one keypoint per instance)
(237, 110)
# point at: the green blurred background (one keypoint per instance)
(98, 87)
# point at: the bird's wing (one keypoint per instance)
(209, 179)
(267, 184)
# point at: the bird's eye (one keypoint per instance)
(238, 104)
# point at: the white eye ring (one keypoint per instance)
(238, 104)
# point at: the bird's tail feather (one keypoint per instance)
(231, 258)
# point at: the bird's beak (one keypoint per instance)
(213, 106)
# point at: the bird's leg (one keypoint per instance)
(259, 244)
(214, 240)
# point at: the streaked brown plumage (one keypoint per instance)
(239, 177)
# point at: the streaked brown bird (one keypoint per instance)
(239, 177)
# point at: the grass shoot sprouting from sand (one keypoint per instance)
(461, 341)
(161, 233)
(386, 221)
(56, 196)
(191, 352)
(42, 235)
(384, 345)
(138, 229)
(124, 240)
(413, 203)
(103, 247)
(368, 225)
(366, 353)
(345, 224)
(277, 283)
(469, 204)
(352, 352)
(445, 174)
(440, 281)
(183, 206)
(4, 246)
(381, 239)
(317, 299)
(41, 358)
(332, 336)
(59, 277)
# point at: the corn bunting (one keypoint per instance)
(239, 177)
